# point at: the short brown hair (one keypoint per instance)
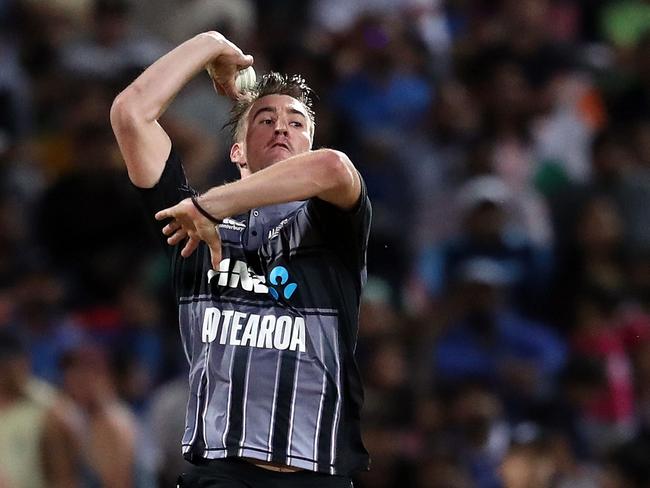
(271, 84)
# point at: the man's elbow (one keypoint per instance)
(341, 183)
(123, 113)
(339, 170)
(126, 111)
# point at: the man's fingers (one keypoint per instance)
(190, 246)
(215, 254)
(230, 88)
(242, 59)
(170, 228)
(245, 60)
(177, 237)
(210, 235)
(164, 214)
(219, 89)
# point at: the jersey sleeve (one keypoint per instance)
(172, 187)
(346, 231)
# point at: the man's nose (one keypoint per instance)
(281, 126)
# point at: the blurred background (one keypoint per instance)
(505, 327)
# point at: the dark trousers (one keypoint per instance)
(238, 473)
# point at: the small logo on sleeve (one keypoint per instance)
(231, 224)
(278, 280)
(275, 232)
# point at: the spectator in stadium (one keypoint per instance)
(108, 429)
(39, 445)
(478, 432)
(609, 419)
(487, 232)
(111, 45)
(491, 342)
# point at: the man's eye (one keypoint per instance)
(296, 124)
(266, 121)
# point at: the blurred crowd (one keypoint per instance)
(505, 328)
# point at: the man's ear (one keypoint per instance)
(237, 153)
(238, 156)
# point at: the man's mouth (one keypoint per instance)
(280, 144)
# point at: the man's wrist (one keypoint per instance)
(215, 40)
(204, 212)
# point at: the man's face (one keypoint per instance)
(278, 127)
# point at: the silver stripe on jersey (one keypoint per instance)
(207, 394)
(293, 409)
(337, 414)
(243, 427)
(275, 397)
(227, 427)
(198, 403)
(195, 297)
(184, 339)
(318, 310)
(254, 453)
(320, 407)
(202, 297)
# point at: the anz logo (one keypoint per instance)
(279, 276)
(237, 274)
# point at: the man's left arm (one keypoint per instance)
(325, 174)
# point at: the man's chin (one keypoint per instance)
(275, 158)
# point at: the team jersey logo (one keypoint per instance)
(231, 224)
(237, 274)
(279, 276)
(273, 233)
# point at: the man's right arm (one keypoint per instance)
(144, 144)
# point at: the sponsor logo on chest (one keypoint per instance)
(239, 276)
(234, 328)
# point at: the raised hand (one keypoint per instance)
(223, 69)
(188, 223)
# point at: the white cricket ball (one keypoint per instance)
(245, 79)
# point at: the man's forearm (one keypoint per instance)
(152, 91)
(324, 173)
